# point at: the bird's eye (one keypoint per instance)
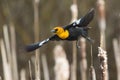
(56, 29)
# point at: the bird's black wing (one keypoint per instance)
(37, 45)
(84, 21)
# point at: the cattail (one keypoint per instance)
(61, 64)
(30, 70)
(36, 34)
(10, 53)
(0, 78)
(45, 67)
(23, 74)
(6, 65)
(116, 47)
(74, 11)
(103, 63)
(92, 74)
(83, 60)
(102, 54)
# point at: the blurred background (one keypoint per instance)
(20, 13)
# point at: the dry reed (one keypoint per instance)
(92, 74)
(74, 11)
(45, 67)
(36, 34)
(6, 65)
(23, 74)
(83, 61)
(61, 64)
(9, 54)
(30, 70)
(116, 47)
(101, 50)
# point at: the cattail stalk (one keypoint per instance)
(10, 42)
(10, 48)
(6, 65)
(61, 64)
(83, 61)
(13, 52)
(23, 74)
(92, 74)
(7, 43)
(30, 70)
(45, 67)
(116, 47)
(102, 54)
(36, 34)
(8, 51)
(101, 22)
(0, 78)
(74, 11)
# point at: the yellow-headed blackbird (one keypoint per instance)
(70, 32)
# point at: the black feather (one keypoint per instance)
(82, 22)
(35, 46)
(32, 47)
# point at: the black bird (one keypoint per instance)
(70, 32)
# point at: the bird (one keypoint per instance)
(71, 32)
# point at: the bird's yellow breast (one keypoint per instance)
(61, 33)
(64, 34)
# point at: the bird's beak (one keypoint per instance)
(53, 31)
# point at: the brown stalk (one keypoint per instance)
(0, 78)
(45, 67)
(92, 74)
(102, 54)
(36, 34)
(10, 43)
(23, 74)
(30, 70)
(6, 65)
(101, 22)
(13, 52)
(116, 47)
(83, 61)
(74, 12)
(61, 64)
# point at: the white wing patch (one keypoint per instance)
(78, 21)
(43, 42)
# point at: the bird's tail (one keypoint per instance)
(85, 34)
(35, 46)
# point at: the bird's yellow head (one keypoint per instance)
(63, 34)
(57, 30)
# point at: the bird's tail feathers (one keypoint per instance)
(87, 28)
(87, 38)
(35, 46)
(90, 40)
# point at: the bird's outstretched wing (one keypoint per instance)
(35, 46)
(84, 21)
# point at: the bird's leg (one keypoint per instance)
(78, 43)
